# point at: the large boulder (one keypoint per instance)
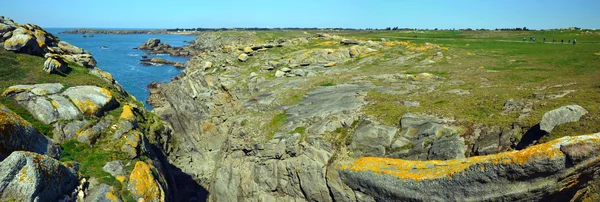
(23, 41)
(91, 100)
(143, 185)
(17, 134)
(562, 115)
(27, 176)
(554, 171)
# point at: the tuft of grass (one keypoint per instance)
(299, 130)
(329, 83)
(277, 121)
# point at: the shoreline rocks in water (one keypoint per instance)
(160, 61)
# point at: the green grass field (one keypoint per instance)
(493, 66)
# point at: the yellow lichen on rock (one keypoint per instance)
(248, 50)
(15, 89)
(86, 106)
(55, 104)
(120, 178)
(142, 184)
(127, 113)
(331, 64)
(106, 92)
(425, 170)
(111, 196)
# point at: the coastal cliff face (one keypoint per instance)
(301, 119)
(69, 131)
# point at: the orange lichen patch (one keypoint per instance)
(143, 184)
(127, 113)
(86, 106)
(425, 170)
(206, 126)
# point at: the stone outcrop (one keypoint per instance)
(27, 176)
(562, 115)
(556, 170)
(55, 64)
(19, 135)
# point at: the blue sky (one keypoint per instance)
(535, 14)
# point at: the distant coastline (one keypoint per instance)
(117, 31)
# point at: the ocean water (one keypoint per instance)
(123, 62)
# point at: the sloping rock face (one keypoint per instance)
(27, 176)
(16, 134)
(552, 171)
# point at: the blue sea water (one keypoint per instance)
(123, 62)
